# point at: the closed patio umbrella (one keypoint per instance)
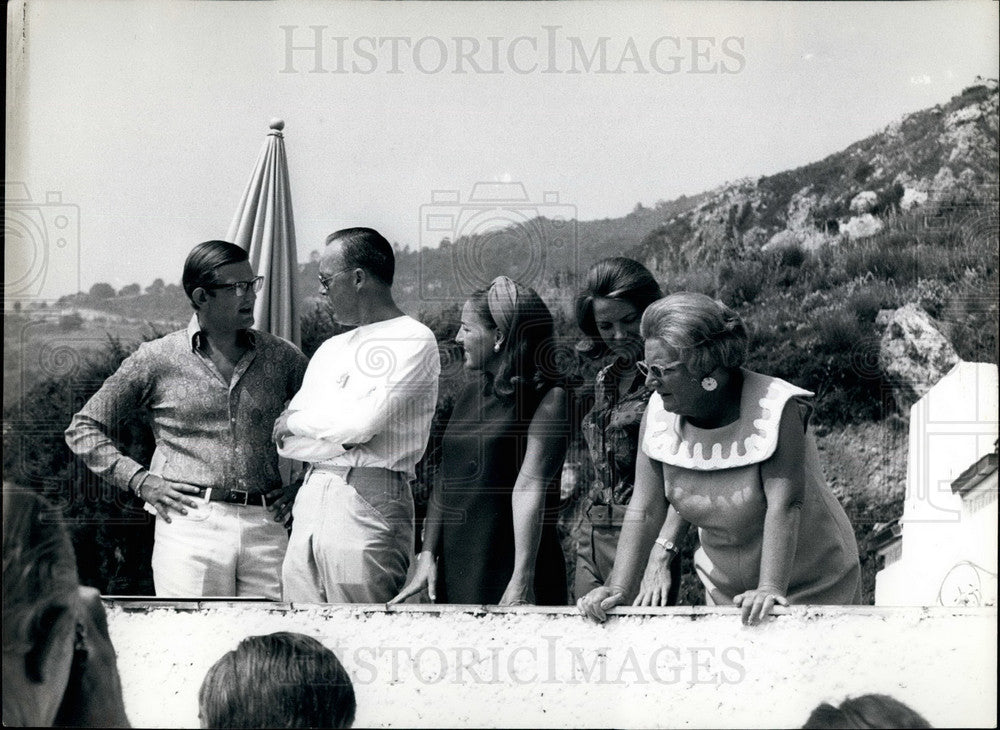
(263, 225)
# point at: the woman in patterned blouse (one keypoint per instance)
(608, 312)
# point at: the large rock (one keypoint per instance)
(800, 209)
(913, 354)
(912, 198)
(862, 226)
(781, 240)
(864, 202)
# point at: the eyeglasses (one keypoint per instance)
(657, 371)
(324, 281)
(240, 288)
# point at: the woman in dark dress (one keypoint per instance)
(490, 533)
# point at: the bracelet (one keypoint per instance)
(139, 486)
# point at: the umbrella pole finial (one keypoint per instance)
(277, 124)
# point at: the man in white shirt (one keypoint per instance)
(361, 418)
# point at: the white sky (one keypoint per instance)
(148, 116)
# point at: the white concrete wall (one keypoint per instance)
(975, 581)
(951, 427)
(432, 666)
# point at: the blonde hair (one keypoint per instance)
(706, 333)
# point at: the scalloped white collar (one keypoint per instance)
(751, 439)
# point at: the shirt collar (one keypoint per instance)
(195, 335)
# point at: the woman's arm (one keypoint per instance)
(657, 579)
(543, 458)
(784, 480)
(646, 514)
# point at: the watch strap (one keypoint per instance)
(668, 546)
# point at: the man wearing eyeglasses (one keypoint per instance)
(212, 392)
(361, 420)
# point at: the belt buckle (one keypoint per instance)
(233, 497)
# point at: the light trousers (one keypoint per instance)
(219, 549)
(352, 537)
(595, 558)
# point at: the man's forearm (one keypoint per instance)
(87, 439)
(303, 448)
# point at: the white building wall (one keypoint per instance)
(951, 427)
(972, 581)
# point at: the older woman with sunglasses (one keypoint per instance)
(490, 533)
(727, 450)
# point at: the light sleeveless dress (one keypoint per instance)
(712, 477)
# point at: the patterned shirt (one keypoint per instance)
(209, 433)
(611, 429)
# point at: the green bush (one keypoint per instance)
(899, 264)
(865, 302)
(792, 256)
(970, 318)
(741, 281)
(316, 326)
(70, 322)
(111, 533)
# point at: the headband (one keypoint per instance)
(502, 302)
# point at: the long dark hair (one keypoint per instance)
(617, 278)
(522, 367)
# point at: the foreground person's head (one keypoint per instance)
(866, 711)
(59, 666)
(277, 680)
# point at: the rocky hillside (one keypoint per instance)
(946, 153)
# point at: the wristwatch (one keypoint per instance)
(668, 547)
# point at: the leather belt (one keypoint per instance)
(345, 472)
(232, 496)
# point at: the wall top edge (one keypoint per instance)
(147, 604)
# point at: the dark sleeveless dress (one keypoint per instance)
(482, 451)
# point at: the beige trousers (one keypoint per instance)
(352, 537)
